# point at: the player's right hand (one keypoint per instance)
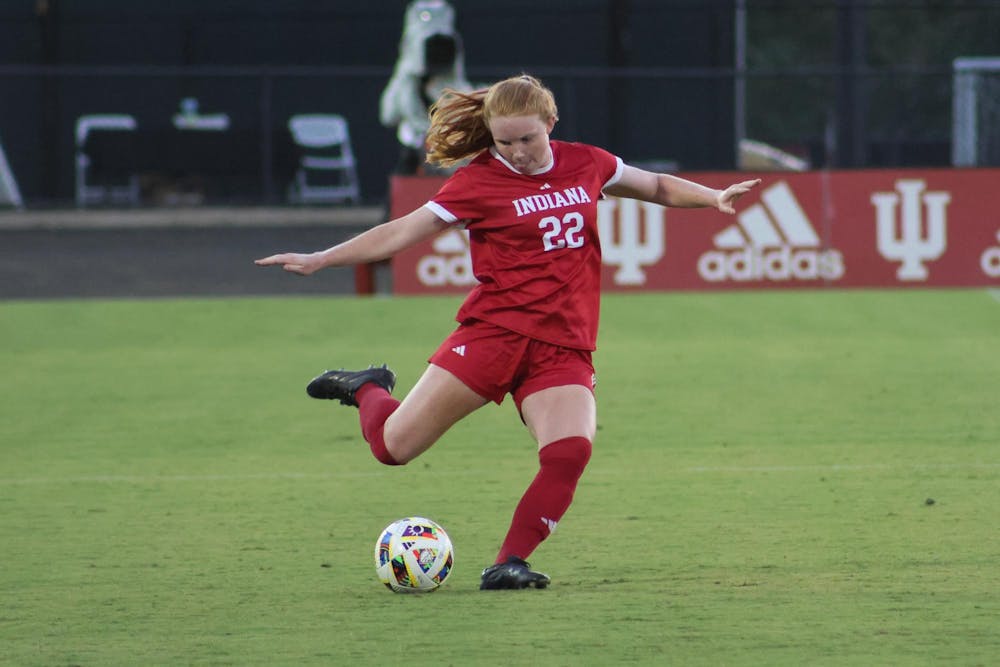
(293, 262)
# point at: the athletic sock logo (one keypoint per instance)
(773, 241)
(550, 524)
(460, 350)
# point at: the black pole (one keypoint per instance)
(618, 56)
(47, 12)
(852, 140)
(266, 140)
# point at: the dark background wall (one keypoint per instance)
(262, 61)
(844, 83)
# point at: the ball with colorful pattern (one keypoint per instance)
(413, 555)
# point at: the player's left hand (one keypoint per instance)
(729, 196)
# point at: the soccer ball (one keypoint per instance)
(413, 555)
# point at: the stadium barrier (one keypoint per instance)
(866, 228)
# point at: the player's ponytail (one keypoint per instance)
(459, 122)
(458, 129)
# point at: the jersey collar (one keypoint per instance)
(541, 170)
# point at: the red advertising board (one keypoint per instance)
(870, 228)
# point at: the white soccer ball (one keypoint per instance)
(413, 555)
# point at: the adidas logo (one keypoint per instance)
(545, 187)
(550, 524)
(772, 240)
(450, 263)
(460, 350)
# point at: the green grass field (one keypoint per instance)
(779, 478)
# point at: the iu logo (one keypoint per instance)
(631, 237)
(921, 234)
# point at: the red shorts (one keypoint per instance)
(493, 361)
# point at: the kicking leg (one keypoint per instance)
(435, 404)
(398, 431)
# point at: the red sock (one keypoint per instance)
(375, 404)
(547, 498)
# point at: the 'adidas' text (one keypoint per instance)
(773, 240)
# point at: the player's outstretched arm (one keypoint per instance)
(669, 190)
(378, 243)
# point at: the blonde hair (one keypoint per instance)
(460, 121)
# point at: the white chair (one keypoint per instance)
(88, 193)
(327, 171)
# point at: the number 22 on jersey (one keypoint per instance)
(562, 232)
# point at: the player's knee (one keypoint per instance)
(404, 445)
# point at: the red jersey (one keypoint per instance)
(534, 241)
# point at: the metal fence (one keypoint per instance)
(240, 149)
(111, 101)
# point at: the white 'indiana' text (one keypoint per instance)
(550, 200)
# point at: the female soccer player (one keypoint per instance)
(529, 327)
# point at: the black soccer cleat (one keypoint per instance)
(341, 385)
(511, 575)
